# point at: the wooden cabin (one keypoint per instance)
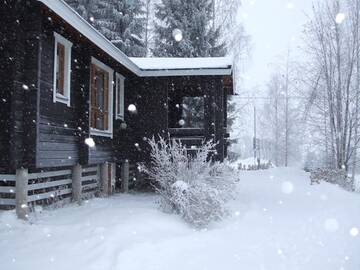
(72, 102)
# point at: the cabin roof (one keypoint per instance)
(199, 65)
(142, 67)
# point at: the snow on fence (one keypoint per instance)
(25, 189)
(90, 181)
(49, 187)
(7, 190)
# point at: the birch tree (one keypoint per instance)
(333, 47)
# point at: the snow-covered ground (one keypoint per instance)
(278, 222)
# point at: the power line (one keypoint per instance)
(292, 97)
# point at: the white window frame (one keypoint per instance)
(94, 131)
(120, 90)
(67, 74)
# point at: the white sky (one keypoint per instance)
(273, 25)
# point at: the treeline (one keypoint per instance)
(146, 27)
(313, 104)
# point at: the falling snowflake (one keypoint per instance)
(90, 142)
(92, 19)
(290, 5)
(287, 187)
(25, 87)
(354, 232)
(340, 17)
(177, 34)
(181, 122)
(132, 108)
(331, 225)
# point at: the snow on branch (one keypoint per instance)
(190, 185)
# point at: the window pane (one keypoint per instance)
(119, 97)
(99, 84)
(192, 112)
(99, 98)
(60, 69)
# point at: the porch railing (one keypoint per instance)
(24, 190)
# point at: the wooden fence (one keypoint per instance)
(23, 189)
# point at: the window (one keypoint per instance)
(192, 112)
(120, 85)
(101, 99)
(62, 70)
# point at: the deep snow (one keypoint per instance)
(278, 222)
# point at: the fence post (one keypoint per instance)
(76, 183)
(125, 176)
(104, 179)
(21, 196)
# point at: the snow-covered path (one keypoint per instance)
(278, 222)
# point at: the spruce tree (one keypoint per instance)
(121, 21)
(194, 19)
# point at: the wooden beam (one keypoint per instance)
(76, 183)
(22, 179)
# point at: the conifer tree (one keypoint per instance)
(121, 21)
(194, 19)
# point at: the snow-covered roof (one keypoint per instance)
(217, 65)
(142, 67)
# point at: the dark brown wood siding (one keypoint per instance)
(63, 129)
(20, 30)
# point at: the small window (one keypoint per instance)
(62, 70)
(101, 99)
(192, 112)
(120, 86)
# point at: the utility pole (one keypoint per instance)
(254, 140)
(287, 110)
(256, 145)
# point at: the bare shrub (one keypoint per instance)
(190, 184)
(333, 176)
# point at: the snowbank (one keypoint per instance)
(278, 222)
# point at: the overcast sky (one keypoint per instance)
(274, 25)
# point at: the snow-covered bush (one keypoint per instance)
(333, 176)
(357, 185)
(190, 185)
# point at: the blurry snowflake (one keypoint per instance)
(177, 34)
(290, 5)
(354, 232)
(323, 197)
(90, 142)
(340, 17)
(181, 122)
(331, 225)
(132, 108)
(92, 19)
(287, 187)
(25, 87)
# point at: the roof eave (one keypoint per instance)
(73, 18)
(185, 72)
